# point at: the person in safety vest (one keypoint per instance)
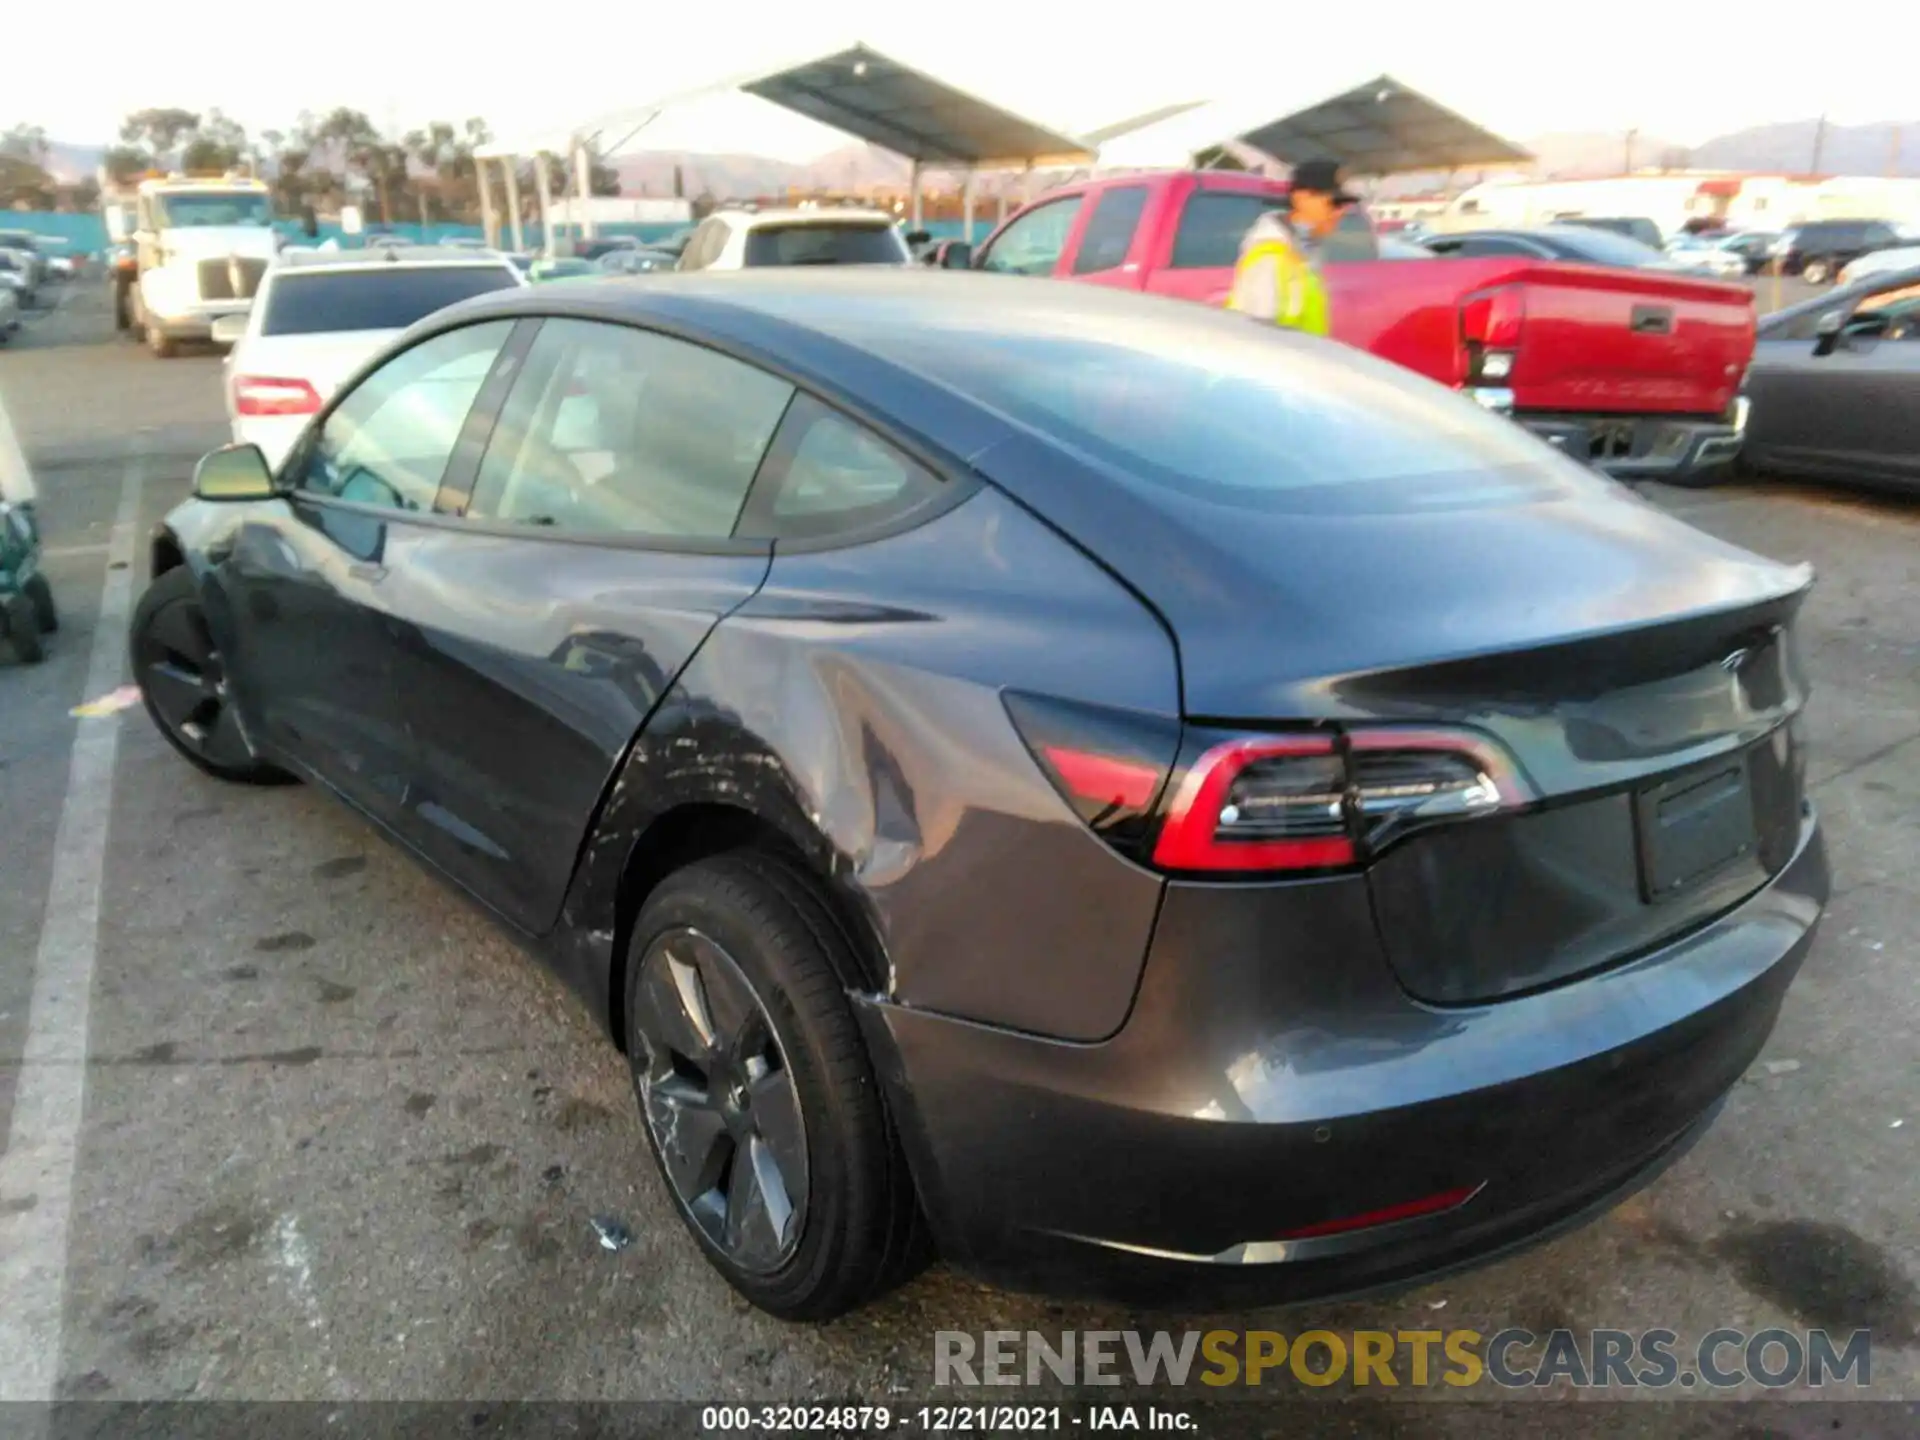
(1278, 275)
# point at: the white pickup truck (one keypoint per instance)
(201, 247)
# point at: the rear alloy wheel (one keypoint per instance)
(1815, 272)
(184, 682)
(760, 1103)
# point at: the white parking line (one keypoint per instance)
(37, 1168)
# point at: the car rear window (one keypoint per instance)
(826, 244)
(1254, 421)
(385, 299)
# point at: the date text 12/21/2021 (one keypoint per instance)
(937, 1419)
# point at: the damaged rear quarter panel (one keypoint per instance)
(855, 704)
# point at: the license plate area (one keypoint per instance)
(1692, 826)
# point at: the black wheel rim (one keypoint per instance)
(184, 682)
(719, 1100)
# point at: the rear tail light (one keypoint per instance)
(1490, 326)
(270, 395)
(1313, 801)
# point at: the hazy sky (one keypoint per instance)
(1674, 70)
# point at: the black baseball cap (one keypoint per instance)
(1323, 178)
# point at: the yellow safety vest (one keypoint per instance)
(1300, 299)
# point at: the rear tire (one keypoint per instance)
(1816, 272)
(40, 593)
(163, 346)
(850, 1226)
(23, 630)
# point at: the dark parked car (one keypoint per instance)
(1817, 250)
(1165, 805)
(1753, 246)
(1581, 244)
(1633, 227)
(1834, 387)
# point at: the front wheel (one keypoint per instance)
(183, 681)
(760, 1103)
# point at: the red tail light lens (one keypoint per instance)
(1109, 765)
(1328, 800)
(1490, 325)
(1262, 804)
(1256, 804)
(269, 395)
(1493, 317)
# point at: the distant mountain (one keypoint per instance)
(1786, 146)
(70, 164)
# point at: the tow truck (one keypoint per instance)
(199, 243)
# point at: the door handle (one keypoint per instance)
(367, 570)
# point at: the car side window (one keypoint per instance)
(830, 475)
(1032, 244)
(1212, 225)
(610, 430)
(387, 443)
(1110, 229)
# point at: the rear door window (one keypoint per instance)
(391, 298)
(1108, 236)
(611, 430)
(816, 243)
(1212, 225)
(1033, 243)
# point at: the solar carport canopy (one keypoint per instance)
(1383, 128)
(877, 99)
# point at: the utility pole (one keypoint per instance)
(1632, 135)
(1819, 143)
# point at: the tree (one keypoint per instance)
(125, 164)
(217, 143)
(24, 185)
(26, 142)
(160, 130)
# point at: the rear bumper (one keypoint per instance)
(195, 321)
(1634, 447)
(1273, 1077)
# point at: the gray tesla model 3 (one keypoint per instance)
(1125, 799)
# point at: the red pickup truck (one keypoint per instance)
(1637, 371)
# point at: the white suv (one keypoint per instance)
(746, 239)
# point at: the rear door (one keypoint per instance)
(592, 555)
(1199, 255)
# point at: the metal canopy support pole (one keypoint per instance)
(488, 230)
(1026, 185)
(511, 164)
(1000, 183)
(543, 183)
(966, 208)
(913, 195)
(583, 178)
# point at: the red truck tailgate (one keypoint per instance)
(1597, 340)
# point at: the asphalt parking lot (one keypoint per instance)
(342, 1140)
